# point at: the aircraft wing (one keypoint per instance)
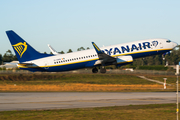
(105, 59)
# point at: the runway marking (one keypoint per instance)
(156, 81)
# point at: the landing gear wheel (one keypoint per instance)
(102, 70)
(95, 70)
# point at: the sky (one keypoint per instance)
(71, 24)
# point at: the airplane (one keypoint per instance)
(120, 54)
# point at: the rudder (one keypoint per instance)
(22, 49)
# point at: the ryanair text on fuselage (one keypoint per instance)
(126, 48)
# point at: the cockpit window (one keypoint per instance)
(168, 41)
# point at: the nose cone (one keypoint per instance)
(174, 44)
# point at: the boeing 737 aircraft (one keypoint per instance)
(121, 54)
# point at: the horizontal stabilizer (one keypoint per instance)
(25, 64)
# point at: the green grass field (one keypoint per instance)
(73, 78)
(132, 112)
(81, 82)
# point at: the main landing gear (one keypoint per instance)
(95, 70)
(102, 70)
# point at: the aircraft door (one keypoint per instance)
(46, 65)
(161, 45)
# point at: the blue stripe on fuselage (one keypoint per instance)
(62, 68)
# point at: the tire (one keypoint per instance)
(94, 70)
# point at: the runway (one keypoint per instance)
(67, 100)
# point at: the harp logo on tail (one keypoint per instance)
(20, 48)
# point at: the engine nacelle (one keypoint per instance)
(124, 59)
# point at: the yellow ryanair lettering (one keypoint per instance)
(20, 48)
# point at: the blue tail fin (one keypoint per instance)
(23, 50)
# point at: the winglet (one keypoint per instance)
(102, 56)
(98, 50)
(53, 50)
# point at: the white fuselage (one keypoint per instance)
(86, 58)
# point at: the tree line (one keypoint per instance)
(172, 58)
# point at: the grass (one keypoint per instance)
(88, 82)
(78, 82)
(80, 87)
(73, 78)
(131, 112)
